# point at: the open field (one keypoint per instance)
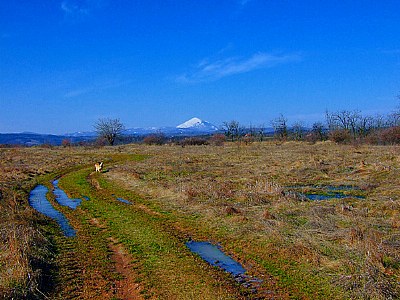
(241, 196)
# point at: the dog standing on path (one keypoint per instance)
(98, 166)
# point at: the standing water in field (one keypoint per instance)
(63, 199)
(327, 192)
(215, 257)
(318, 197)
(38, 200)
(123, 200)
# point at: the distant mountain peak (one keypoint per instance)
(198, 125)
(193, 122)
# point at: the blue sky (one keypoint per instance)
(66, 63)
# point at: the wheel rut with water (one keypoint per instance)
(140, 240)
(122, 285)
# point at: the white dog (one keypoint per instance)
(98, 166)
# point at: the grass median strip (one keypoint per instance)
(165, 267)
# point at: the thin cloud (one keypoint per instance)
(95, 88)
(74, 9)
(391, 51)
(214, 70)
(243, 2)
(80, 9)
(78, 92)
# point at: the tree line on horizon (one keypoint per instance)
(343, 126)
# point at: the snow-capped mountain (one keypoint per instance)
(81, 134)
(198, 125)
(194, 126)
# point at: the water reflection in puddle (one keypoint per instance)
(215, 257)
(38, 200)
(319, 197)
(63, 199)
(122, 199)
(327, 192)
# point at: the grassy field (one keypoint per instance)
(241, 196)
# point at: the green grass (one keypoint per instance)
(153, 240)
(327, 249)
(165, 266)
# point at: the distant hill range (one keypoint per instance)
(192, 127)
(34, 139)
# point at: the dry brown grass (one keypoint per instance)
(242, 192)
(236, 194)
(24, 251)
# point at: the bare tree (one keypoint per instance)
(394, 117)
(109, 129)
(344, 120)
(298, 131)
(379, 122)
(318, 131)
(280, 127)
(232, 129)
(330, 121)
(251, 130)
(261, 132)
(354, 121)
(365, 125)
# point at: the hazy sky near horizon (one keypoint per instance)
(66, 63)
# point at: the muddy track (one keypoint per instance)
(126, 288)
(90, 265)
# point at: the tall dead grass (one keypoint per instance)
(240, 194)
(25, 253)
(244, 190)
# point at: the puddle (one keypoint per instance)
(38, 200)
(339, 187)
(327, 192)
(63, 199)
(215, 257)
(319, 197)
(123, 200)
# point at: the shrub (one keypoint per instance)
(340, 136)
(46, 146)
(66, 143)
(248, 139)
(218, 139)
(100, 141)
(194, 141)
(155, 139)
(390, 135)
(372, 138)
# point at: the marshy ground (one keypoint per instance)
(244, 197)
